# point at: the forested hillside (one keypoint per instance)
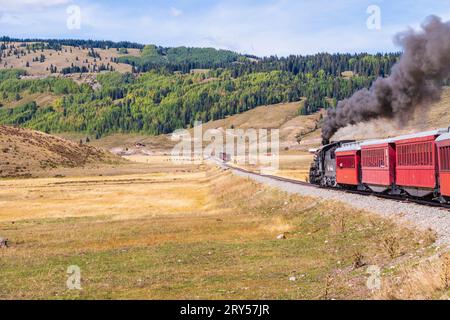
(180, 59)
(56, 44)
(162, 93)
(157, 101)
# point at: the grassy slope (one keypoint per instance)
(197, 234)
(25, 152)
(281, 116)
(294, 162)
(284, 117)
(65, 59)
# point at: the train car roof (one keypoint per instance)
(375, 142)
(443, 133)
(422, 134)
(443, 137)
(354, 146)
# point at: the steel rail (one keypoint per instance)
(422, 202)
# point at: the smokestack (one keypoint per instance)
(415, 81)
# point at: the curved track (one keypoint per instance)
(364, 193)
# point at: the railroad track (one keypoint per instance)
(363, 193)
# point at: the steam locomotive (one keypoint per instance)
(415, 165)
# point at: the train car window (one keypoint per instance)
(346, 162)
(418, 154)
(422, 154)
(415, 154)
(445, 158)
(374, 158)
(405, 155)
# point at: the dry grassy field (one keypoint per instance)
(192, 232)
(294, 165)
(144, 228)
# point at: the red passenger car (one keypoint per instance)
(378, 164)
(348, 164)
(443, 145)
(417, 166)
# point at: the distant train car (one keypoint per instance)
(348, 164)
(443, 145)
(225, 157)
(378, 164)
(417, 166)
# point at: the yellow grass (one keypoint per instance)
(425, 279)
(266, 117)
(178, 233)
(292, 164)
(25, 153)
(118, 196)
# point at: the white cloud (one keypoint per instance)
(174, 12)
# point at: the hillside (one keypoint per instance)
(39, 60)
(44, 57)
(181, 58)
(297, 132)
(171, 88)
(26, 152)
(283, 116)
(153, 103)
(168, 89)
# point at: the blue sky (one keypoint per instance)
(262, 27)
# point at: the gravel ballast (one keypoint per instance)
(437, 219)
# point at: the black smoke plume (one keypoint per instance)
(415, 81)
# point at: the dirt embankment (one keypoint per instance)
(24, 152)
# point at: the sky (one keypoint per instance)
(258, 27)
